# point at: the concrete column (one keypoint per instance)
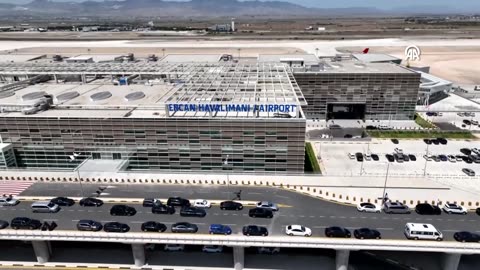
(55, 78)
(138, 251)
(451, 261)
(238, 258)
(42, 251)
(341, 259)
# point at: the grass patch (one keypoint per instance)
(408, 134)
(422, 122)
(311, 162)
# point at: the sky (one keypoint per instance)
(466, 5)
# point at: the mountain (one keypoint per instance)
(185, 9)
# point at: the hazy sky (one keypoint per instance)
(468, 5)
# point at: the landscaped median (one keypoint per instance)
(420, 134)
(311, 162)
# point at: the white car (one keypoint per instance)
(351, 155)
(476, 151)
(267, 205)
(269, 250)
(453, 208)
(212, 249)
(298, 230)
(202, 204)
(452, 158)
(399, 150)
(174, 247)
(428, 157)
(8, 201)
(368, 207)
(367, 157)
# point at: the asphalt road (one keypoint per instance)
(302, 209)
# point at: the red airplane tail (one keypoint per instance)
(366, 50)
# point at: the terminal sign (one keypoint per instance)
(273, 108)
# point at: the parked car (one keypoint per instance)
(91, 202)
(442, 141)
(267, 205)
(468, 160)
(459, 157)
(428, 157)
(298, 230)
(453, 208)
(443, 157)
(367, 157)
(436, 158)
(368, 207)
(212, 249)
(89, 225)
(25, 223)
(452, 158)
(395, 208)
(398, 150)
(231, 205)
(122, 210)
(427, 209)
(351, 155)
(163, 209)
(468, 171)
(184, 227)
(476, 151)
(477, 211)
(394, 141)
(174, 247)
(435, 141)
(150, 202)
(390, 158)
(8, 201)
(412, 157)
(359, 156)
(219, 229)
(427, 141)
(467, 122)
(466, 151)
(202, 204)
(63, 201)
(260, 212)
(188, 211)
(268, 250)
(253, 230)
(178, 201)
(464, 236)
(375, 157)
(45, 207)
(398, 157)
(338, 232)
(422, 231)
(366, 233)
(3, 224)
(153, 226)
(406, 158)
(116, 227)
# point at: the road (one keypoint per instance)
(301, 209)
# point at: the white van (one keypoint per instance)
(420, 231)
(45, 207)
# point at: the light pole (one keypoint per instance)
(77, 169)
(426, 161)
(225, 162)
(385, 184)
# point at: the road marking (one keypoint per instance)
(312, 216)
(319, 227)
(255, 193)
(50, 219)
(229, 224)
(341, 217)
(385, 229)
(449, 230)
(332, 216)
(199, 223)
(302, 216)
(177, 191)
(139, 222)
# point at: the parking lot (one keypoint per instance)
(336, 161)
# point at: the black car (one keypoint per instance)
(231, 205)
(466, 237)
(406, 158)
(153, 226)
(184, 227)
(442, 140)
(412, 157)
(192, 212)
(427, 141)
(260, 212)
(375, 157)
(150, 202)
(254, 230)
(25, 223)
(443, 157)
(467, 122)
(427, 209)
(466, 151)
(91, 202)
(468, 160)
(435, 141)
(348, 136)
(390, 157)
(477, 211)
(338, 232)
(178, 201)
(116, 227)
(394, 141)
(63, 201)
(89, 225)
(366, 233)
(163, 209)
(122, 210)
(359, 156)
(3, 224)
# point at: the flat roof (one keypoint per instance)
(375, 57)
(307, 58)
(96, 57)
(20, 58)
(191, 58)
(353, 66)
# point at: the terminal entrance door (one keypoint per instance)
(346, 111)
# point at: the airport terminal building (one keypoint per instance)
(184, 115)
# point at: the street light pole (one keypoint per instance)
(385, 184)
(228, 179)
(426, 161)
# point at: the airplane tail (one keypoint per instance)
(365, 51)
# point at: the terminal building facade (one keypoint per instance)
(183, 115)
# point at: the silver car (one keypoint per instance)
(267, 205)
(8, 201)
